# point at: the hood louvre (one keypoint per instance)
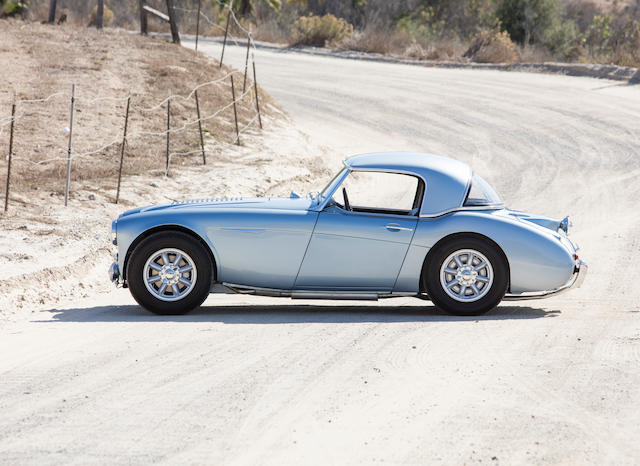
(208, 200)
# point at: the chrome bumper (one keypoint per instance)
(579, 274)
(114, 272)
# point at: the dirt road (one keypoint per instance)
(263, 381)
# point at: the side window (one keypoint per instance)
(379, 192)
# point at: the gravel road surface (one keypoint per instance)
(249, 380)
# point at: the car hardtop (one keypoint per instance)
(446, 180)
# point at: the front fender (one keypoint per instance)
(132, 227)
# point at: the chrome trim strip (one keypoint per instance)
(320, 207)
(576, 280)
(465, 208)
(245, 230)
(333, 295)
(307, 294)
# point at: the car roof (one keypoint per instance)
(447, 180)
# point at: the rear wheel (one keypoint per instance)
(466, 276)
(169, 273)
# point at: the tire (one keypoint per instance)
(157, 256)
(460, 289)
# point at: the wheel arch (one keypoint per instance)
(167, 228)
(462, 234)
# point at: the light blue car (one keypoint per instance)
(388, 225)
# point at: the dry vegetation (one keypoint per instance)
(584, 31)
(40, 60)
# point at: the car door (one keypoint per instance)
(355, 251)
(362, 247)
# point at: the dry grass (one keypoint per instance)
(39, 60)
(375, 40)
(390, 41)
(534, 54)
(492, 46)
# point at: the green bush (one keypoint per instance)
(528, 21)
(12, 7)
(563, 39)
(320, 30)
(426, 26)
(599, 34)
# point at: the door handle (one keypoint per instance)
(396, 227)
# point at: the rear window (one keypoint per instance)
(481, 193)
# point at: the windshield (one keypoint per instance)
(331, 186)
(481, 193)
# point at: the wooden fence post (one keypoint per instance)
(226, 32)
(255, 89)
(235, 112)
(246, 62)
(100, 14)
(66, 190)
(198, 25)
(175, 36)
(52, 11)
(124, 141)
(204, 157)
(166, 172)
(143, 18)
(13, 119)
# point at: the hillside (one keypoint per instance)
(39, 61)
(67, 248)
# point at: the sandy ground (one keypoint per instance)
(265, 381)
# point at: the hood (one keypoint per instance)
(269, 203)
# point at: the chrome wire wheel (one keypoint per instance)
(169, 274)
(466, 275)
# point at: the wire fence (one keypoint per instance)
(21, 107)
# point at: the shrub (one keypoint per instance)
(427, 26)
(12, 7)
(599, 34)
(107, 16)
(492, 46)
(375, 40)
(320, 30)
(527, 21)
(563, 39)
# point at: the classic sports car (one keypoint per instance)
(387, 225)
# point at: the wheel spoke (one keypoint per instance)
(153, 279)
(155, 266)
(475, 289)
(186, 268)
(480, 266)
(162, 289)
(470, 259)
(175, 289)
(185, 282)
(482, 278)
(462, 290)
(177, 260)
(451, 271)
(165, 259)
(458, 261)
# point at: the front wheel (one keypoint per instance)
(169, 273)
(466, 276)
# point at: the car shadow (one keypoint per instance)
(293, 313)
